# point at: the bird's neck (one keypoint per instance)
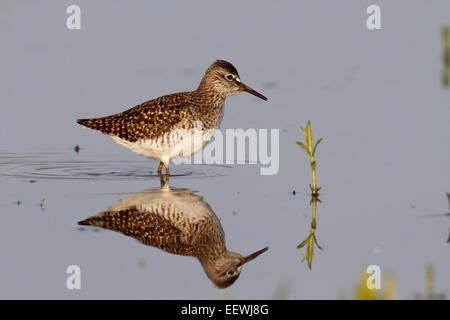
(208, 89)
(209, 259)
(210, 103)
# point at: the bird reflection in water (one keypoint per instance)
(179, 222)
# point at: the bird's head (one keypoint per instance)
(223, 78)
(224, 271)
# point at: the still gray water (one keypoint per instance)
(375, 97)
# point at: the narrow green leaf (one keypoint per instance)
(309, 251)
(305, 133)
(310, 144)
(301, 245)
(315, 240)
(315, 146)
(303, 146)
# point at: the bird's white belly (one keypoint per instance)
(167, 203)
(176, 144)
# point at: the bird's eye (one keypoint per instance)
(231, 272)
(229, 77)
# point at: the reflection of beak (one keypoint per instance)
(254, 255)
(244, 87)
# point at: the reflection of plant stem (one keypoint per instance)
(313, 222)
(310, 149)
(311, 239)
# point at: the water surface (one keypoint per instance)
(374, 96)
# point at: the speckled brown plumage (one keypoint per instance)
(179, 222)
(161, 128)
(154, 118)
(198, 238)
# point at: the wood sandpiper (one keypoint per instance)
(167, 127)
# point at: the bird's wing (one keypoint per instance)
(148, 120)
(149, 228)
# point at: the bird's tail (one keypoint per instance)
(91, 221)
(107, 125)
(89, 123)
(106, 220)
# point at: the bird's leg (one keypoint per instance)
(166, 165)
(160, 168)
(165, 184)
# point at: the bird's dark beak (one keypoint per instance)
(254, 255)
(246, 88)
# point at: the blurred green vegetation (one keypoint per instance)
(283, 290)
(446, 56)
(388, 289)
(362, 292)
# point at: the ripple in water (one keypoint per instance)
(67, 165)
